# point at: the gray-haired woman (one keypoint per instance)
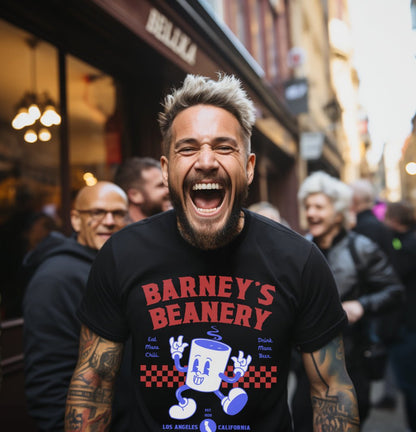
(353, 259)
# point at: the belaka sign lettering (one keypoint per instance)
(171, 36)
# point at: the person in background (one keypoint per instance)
(21, 231)
(400, 217)
(327, 202)
(266, 209)
(368, 224)
(379, 209)
(236, 288)
(141, 179)
(363, 202)
(51, 328)
(40, 226)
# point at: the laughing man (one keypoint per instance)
(213, 295)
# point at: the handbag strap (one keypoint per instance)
(369, 327)
(358, 264)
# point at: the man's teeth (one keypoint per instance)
(207, 211)
(206, 186)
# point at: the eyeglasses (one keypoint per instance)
(99, 214)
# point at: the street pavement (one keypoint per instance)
(385, 420)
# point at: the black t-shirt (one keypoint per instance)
(212, 330)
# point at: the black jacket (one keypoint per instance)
(379, 291)
(382, 290)
(405, 260)
(369, 226)
(51, 327)
(59, 269)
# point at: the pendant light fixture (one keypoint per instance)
(36, 113)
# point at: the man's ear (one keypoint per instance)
(251, 163)
(135, 196)
(75, 221)
(164, 163)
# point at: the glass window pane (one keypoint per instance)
(95, 125)
(29, 171)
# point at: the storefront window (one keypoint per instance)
(31, 162)
(95, 125)
(29, 167)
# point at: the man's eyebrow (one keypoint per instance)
(222, 139)
(185, 141)
(216, 140)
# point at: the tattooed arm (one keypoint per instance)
(88, 405)
(333, 396)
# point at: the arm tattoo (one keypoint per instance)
(90, 394)
(84, 418)
(333, 395)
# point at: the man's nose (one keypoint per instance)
(207, 159)
(310, 212)
(108, 219)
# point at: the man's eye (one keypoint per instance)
(224, 148)
(119, 214)
(97, 213)
(187, 150)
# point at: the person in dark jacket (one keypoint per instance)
(60, 268)
(364, 200)
(400, 217)
(327, 204)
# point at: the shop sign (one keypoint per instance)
(311, 145)
(171, 36)
(296, 95)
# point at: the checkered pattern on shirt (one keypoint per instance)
(167, 376)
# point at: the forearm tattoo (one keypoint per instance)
(335, 406)
(88, 406)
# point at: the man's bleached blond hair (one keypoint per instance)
(226, 93)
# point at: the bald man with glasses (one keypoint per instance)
(51, 326)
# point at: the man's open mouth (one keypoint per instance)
(207, 197)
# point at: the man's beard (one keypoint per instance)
(149, 207)
(210, 240)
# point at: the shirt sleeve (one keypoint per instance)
(101, 308)
(321, 316)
